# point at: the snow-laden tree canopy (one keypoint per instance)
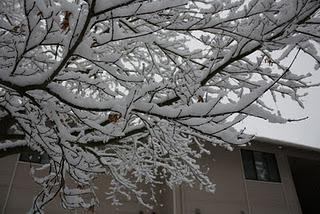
(113, 86)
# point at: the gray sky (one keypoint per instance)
(305, 132)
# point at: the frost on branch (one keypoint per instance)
(113, 88)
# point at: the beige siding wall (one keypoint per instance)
(234, 194)
(24, 189)
(287, 183)
(229, 197)
(266, 198)
(165, 200)
(7, 166)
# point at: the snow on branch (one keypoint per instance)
(138, 90)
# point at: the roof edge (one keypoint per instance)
(286, 143)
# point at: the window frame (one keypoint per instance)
(28, 156)
(255, 171)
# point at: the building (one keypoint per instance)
(269, 176)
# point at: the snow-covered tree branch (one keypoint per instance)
(118, 87)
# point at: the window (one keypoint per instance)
(34, 157)
(260, 166)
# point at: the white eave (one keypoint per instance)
(286, 143)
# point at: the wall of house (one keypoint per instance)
(229, 197)
(237, 195)
(281, 197)
(234, 194)
(22, 191)
(7, 166)
(17, 190)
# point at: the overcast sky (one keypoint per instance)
(305, 132)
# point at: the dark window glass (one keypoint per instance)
(34, 157)
(260, 166)
(248, 165)
(272, 167)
